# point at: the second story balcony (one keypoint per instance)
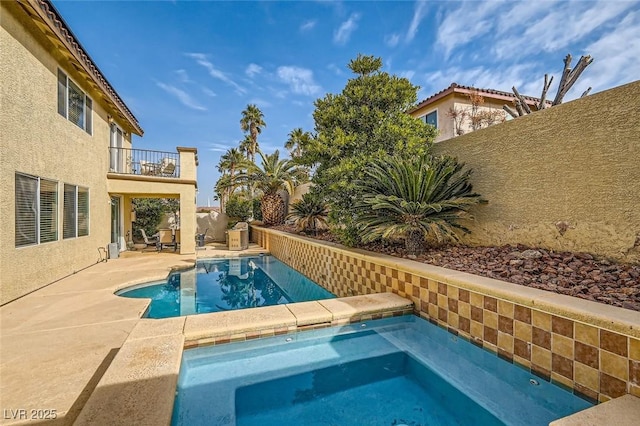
(144, 162)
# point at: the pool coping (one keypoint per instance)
(140, 384)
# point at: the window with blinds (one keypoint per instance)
(69, 216)
(83, 211)
(75, 222)
(48, 211)
(74, 104)
(36, 210)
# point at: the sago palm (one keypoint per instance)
(274, 174)
(310, 213)
(414, 198)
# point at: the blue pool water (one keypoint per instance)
(216, 285)
(397, 371)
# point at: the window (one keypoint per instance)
(36, 210)
(74, 104)
(75, 222)
(432, 118)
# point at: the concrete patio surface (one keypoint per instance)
(57, 342)
(75, 353)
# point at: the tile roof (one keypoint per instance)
(456, 88)
(47, 13)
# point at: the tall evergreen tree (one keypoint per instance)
(365, 121)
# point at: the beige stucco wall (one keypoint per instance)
(36, 140)
(446, 125)
(142, 187)
(578, 162)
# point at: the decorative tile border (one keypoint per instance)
(598, 359)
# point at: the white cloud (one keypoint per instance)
(308, 25)
(523, 76)
(335, 69)
(181, 95)
(616, 57)
(260, 102)
(209, 92)
(517, 29)
(253, 69)
(342, 35)
(463, 25)
(300, 80)
(408, 74)
(392, 40)
(419, 12)
(201, 59)
(183, 76)
(218, 147)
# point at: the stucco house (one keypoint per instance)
(69, 170)
(436, 109)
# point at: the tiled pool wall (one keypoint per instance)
(599, 359)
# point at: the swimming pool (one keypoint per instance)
(397, 371)
(216, 285)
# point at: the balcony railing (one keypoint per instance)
(144, 162)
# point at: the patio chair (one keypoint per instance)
(149, 241)
(167, 167)
(168, 238)
(148, 168)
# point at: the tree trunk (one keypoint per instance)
(414, 242)
(273, 209)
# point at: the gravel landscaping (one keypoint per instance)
(574, 274)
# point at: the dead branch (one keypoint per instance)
(566, 84)
(568, 79)
(545, 88)
(563, 79)
(509, 111)
(522, 100)
(519, 108)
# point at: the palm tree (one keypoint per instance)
(231, 163)
(252, 121)
(232, 160)
(223, 187)
(297, 142)
(273, 175)
(246, 145)
(310, 213)
(414, 198)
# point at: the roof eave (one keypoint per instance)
(47, 14)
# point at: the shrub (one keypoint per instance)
(309, 213)
(238, 207)
(414, 198)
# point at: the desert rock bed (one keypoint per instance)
(574, 274)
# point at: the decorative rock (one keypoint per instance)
(530, 254)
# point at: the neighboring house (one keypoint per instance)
(437, 109)
(69, 171)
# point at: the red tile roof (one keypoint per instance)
(456, 88)
(45, 11)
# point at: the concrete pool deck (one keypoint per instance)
(85, 355)
(57, 343)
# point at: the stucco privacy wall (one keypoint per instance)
(36, 140)
(591, 348)
(577, 163)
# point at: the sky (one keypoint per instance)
(187, 69)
